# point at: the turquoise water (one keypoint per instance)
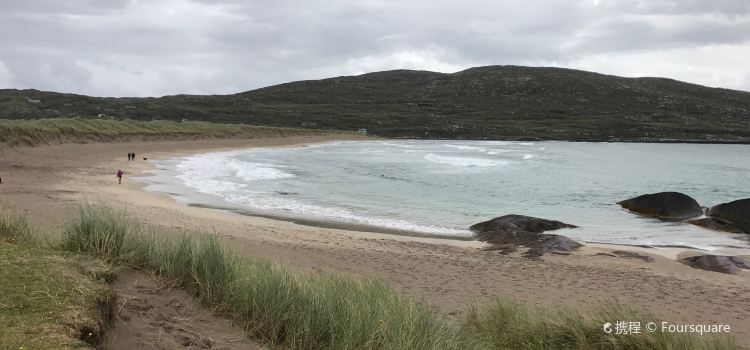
(442, 187)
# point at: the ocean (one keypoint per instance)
(442, 187)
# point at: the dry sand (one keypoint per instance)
(449, 274)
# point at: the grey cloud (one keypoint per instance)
(140, 47)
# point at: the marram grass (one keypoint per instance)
(296, 310)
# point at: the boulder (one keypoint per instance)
(514, 226)
(664, 205)
(510, 231)
(737, 213)
(717, 263)
(715, 224)
(555, 244)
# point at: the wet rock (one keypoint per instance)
(737, 213)
(717, 263)
(715, 224)
(664, 205)
(501, 229)
(510, 231)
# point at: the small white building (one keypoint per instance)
(362, 131)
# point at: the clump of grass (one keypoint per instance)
(103, 232)
(506, 324)
(15, 227)
(46, 302)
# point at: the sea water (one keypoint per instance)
(443, 187)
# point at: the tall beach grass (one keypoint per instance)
(270, 302)
(297, 310)
(16, 227)
(506, 324)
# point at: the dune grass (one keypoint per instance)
(297, 310)
(49, 299)
(271, 303)
(506, 324)
(15, 227)
(82, 130)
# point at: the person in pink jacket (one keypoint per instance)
(119, 176)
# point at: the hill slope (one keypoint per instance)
(495, 102)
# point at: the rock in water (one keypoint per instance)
(715, 224)
(515, 230)
(737, 213)
(664, 205)
(717, 263)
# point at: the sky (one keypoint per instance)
(165, 47)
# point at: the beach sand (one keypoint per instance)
(448, 274)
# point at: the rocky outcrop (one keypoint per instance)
(736, 213)
(717, 263)
(664, 205)
(510, 231)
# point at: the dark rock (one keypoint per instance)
(664, 205)
(717, 263)
(737, 213)
(510, 231)
(715, 224)
(632, 255)
(500, 229)
(627, 255)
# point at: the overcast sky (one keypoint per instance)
(160, 47)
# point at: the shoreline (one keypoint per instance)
(669, 251)
(47, 181)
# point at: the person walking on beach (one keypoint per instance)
(133, 156)
(119, 176)
(130, 156)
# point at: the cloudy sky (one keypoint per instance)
(160, 47)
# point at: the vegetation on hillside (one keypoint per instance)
(81, 130)
(495, 102)
(291, 309)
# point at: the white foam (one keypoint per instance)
(213, 173)
(528, 156)
(464, 161)
(273, 203)
(401, 145)
(467, 148)
(257, 171)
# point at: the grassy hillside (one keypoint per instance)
(495, 102)
(81, 130)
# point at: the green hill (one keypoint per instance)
(495, 102)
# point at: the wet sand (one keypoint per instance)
(448, 274)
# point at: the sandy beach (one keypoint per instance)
(47, 181)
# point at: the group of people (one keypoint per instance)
(120, 173)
